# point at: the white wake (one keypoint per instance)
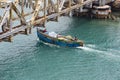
(111, 54)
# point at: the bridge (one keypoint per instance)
(20, 16)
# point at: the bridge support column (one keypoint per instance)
(57, 10)
(44, 13)
(10, 23)
(28, 30)
(10, 38)
(81, 8)
(70, 12)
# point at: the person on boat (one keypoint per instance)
(42, 29)
(75, 38)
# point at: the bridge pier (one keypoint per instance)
(10, 38)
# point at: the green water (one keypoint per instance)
(26, 58)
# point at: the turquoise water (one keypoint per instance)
(26, 58)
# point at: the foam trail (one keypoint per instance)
(91, 45)
(108, 54)
(37, 39)
(86, 48)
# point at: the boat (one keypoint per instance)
(57, 39)
(101, 11)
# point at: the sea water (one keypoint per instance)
(27, 58)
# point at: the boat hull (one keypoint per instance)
(55, 41)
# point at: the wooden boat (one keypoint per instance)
(101, 11)
(60, 40)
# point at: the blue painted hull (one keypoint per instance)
(55, 41)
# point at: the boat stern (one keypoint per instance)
(81, 43)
